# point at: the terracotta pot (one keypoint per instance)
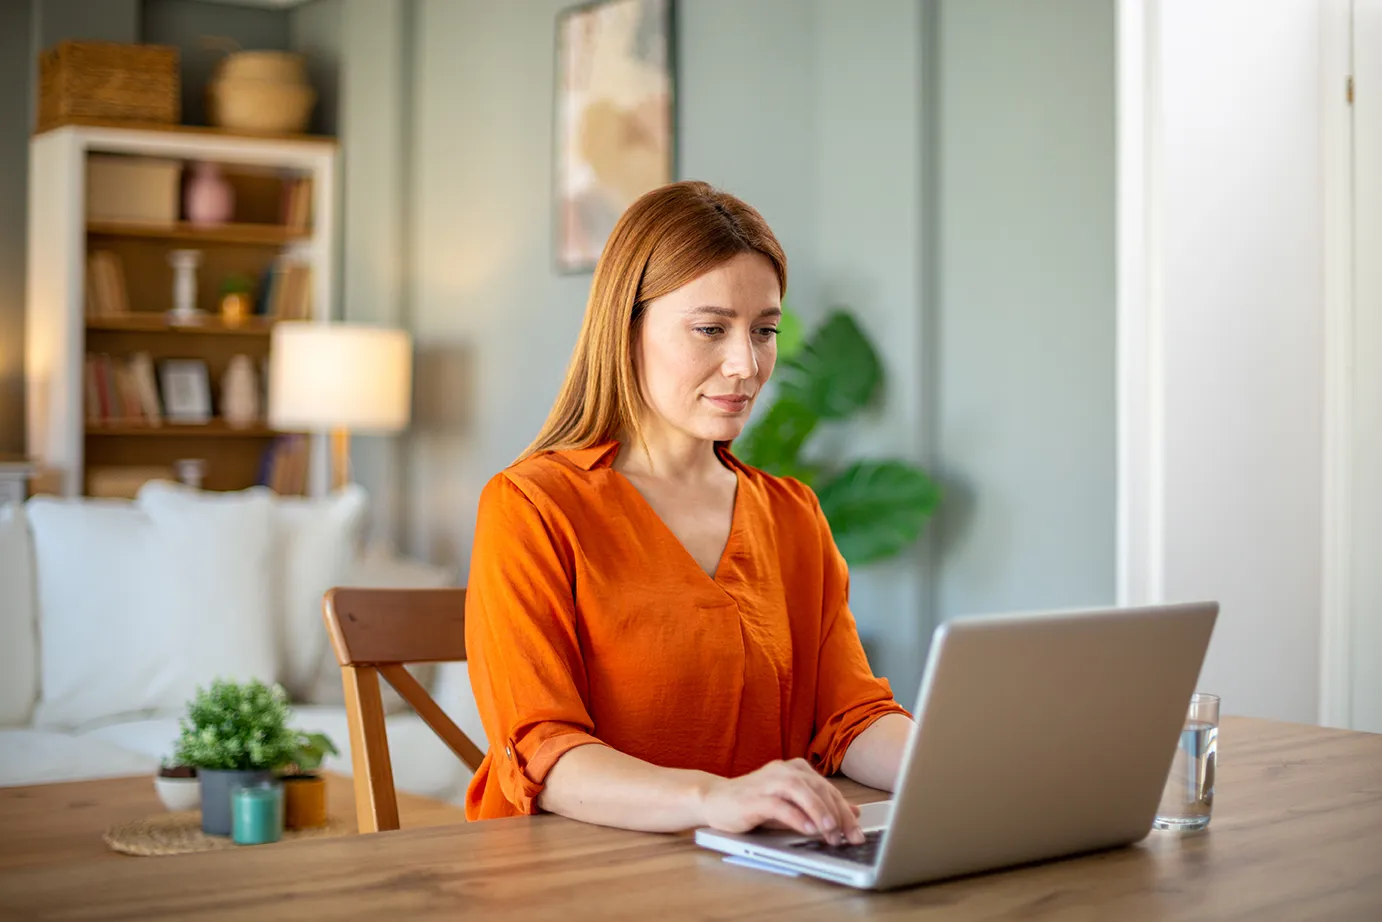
(235, 308)
(304, 802)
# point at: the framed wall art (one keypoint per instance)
(615, 125)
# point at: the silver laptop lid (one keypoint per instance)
(1042, 735)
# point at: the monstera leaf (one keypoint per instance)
(774, 443)
(835, 373)
(877, 508)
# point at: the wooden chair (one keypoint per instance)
(376, 632)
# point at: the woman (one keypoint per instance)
(659, 635)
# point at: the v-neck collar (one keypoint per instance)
(602, 456)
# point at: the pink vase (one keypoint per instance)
(210, 199)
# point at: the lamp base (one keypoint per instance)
(340, 458)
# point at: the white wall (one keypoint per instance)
(1230, 494)
(1025, 304)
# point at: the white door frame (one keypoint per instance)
(1141, 443)
(1336, 596)
(1141, 413)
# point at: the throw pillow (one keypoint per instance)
(140, 603)
(318, 543)
(313, 544)
(18, 629)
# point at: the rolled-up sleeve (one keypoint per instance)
(849, 697)
(521, 639)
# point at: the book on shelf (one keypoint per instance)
(283, 466)
(122, 390)
(297, 204)
(106, 294)
(285, 292)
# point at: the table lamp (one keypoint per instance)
(341, 378)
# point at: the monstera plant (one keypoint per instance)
(876, 507)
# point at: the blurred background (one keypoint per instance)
(1091, 241)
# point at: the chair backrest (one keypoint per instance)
(376, 632)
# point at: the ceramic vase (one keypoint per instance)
(240, 393)
(216, 788)
(210, 200)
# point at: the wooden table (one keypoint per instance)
(48, 825)
(1297, 834)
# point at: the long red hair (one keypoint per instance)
(666, 238)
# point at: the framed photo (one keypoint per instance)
(615, 118)
(186, 390)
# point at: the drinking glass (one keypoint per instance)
(1188, 798)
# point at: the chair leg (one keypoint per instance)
(376, 803)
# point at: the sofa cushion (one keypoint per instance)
(422, 763)
(18, 627)
(39, 757)
(314, 541)
(141, 603)
(318, 541)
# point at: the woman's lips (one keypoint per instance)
(732, 403)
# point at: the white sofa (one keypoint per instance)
(112, 613)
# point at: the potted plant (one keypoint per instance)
(304, 789)
(237, 299)
(234, 735)
(177, 785)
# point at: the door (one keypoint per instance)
(1366, 607)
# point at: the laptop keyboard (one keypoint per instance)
(860, 854)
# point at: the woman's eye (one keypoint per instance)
(708, 331)
(767, 332)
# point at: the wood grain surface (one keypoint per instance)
(49, 825)
(1297, 834)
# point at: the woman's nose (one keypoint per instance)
(740, 360)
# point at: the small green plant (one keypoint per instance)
(311, 749)
(876, 508)
(236, 283)
(237, 727)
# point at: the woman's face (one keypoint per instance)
(705, 351)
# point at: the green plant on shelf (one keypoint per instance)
(876, 507)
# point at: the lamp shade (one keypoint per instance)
(339, 376)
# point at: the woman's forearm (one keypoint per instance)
(875, 756)
(597, 784)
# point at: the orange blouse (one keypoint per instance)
(587, 621)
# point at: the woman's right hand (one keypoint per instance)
(789, 794)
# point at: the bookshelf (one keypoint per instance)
(109, 397)
(183, 232)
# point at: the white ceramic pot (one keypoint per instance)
(178, 793)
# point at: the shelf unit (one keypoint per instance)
(60, 333)
(183, 232)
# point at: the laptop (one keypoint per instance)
(1037, 736)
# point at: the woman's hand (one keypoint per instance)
(789, 794)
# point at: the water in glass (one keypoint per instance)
(1188, 799)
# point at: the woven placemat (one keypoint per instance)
(181, 834)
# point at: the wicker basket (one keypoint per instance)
(261, 91)
(108, 81)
